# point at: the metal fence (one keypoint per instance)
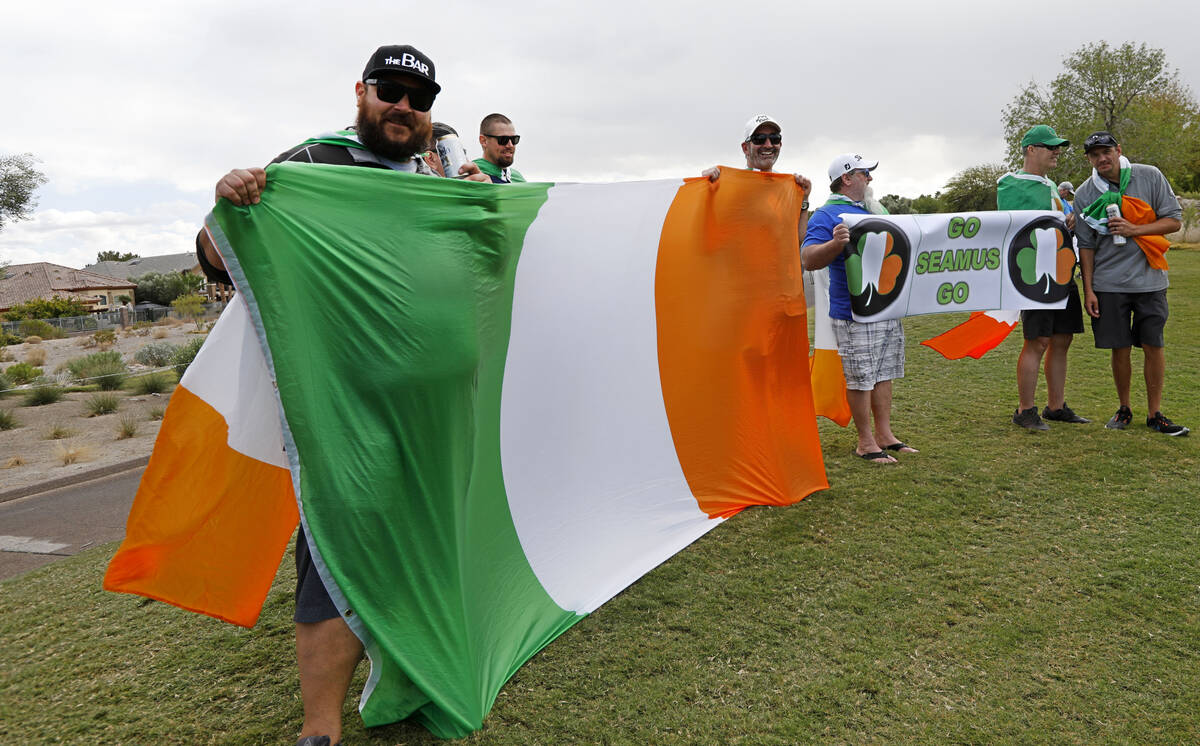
(108, 319)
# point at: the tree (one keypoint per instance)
(1129, 91)
(18, 181)
(162, 288)
(973, 189)
(115, 256)
(895, 204)
(929, 204)
(189, 306)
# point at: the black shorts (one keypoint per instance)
(1130, 320)
(313, 603)
(1040, 322)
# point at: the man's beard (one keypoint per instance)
(370, 132)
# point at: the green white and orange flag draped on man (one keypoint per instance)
(1135, 210)
(493, 408)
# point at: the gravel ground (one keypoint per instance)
(28, 455)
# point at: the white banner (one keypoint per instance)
(907, 265)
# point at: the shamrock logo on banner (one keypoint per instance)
(876, 266)
(1042, 261)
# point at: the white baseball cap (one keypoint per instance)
(847, 162)
(756, 122)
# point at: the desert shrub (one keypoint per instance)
(156, 413)
(14, 462)
(183, 357)
(153, 383)
(155, 354)
(57, 432)
(104, 338)
(44, 394)
(33, 339)
(5, 384)
(22, 373)
(98, 404)
(5, 353)
(8, 421)
(69, 453)
(39, 328)
(127, 427)
(105, 369)
(7, 339)
(36, 357)
(160, 333)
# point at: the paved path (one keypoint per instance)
(42, 528)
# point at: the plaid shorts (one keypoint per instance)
(871, 352)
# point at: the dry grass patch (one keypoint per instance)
(36, 356)
(57, 431)
(7, 420)
(14, 462)
(33, 339)
(72, 453)
(156, 413)
(159, 333)
(127, 427)
(100, 404)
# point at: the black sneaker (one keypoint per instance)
(1121, 419)
(1028, 418)
(1066, 414)
(1160, 423)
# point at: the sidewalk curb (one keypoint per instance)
(83, 476)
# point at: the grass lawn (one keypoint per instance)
(1002, 586)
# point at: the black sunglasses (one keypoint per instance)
(1051, 148)
(389, 91)
(760, 139)
(505, 139)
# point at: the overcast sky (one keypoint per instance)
(135, 109)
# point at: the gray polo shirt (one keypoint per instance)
(1124, 269)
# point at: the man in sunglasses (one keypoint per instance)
(499, 139)
(1048, 332)
(392, 130)
(762, 139)
(1125, 211)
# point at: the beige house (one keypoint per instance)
(26, 282)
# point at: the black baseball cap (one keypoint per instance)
(1099, 139)
(401, 58)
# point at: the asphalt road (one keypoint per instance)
(43, 528)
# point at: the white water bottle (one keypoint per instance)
(1115, 212)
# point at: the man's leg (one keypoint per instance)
(1121, 373)
(1155, 370)
(860, 410)
(1056, 370)
(327, 653)
(1028, 364)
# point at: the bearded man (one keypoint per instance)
(391, 131)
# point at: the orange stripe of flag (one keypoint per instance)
(733, 343)
(212, 543)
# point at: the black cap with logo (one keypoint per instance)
(1099, 139)
(401, 58)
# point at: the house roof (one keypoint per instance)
(185, 262)
(25, 282)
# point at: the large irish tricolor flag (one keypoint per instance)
(492, 406)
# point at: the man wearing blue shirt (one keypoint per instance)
(872, 353)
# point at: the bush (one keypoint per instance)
(44, 394)
(153, 383)
(7, 339)
(22, 373)
(104, 338)
(106, 369)
(5, 385)
(46, 308)
(39, 328)
(7, 420)
(99, 404)
(156, 354)
(126, 428)
(162, 288)
(36, 357)
(33, 339)
(184, 355)
(57, 432)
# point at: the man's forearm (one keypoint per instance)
(1160, 227)
(1087, 263)
(818, 255)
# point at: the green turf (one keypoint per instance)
(1002, 586)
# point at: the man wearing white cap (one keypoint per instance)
(872, 353)
(762, 139)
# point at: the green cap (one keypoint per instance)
(1042, 134)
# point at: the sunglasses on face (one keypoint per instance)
(391, 92)
(505, 139)
(1051, 148)
(760, 139)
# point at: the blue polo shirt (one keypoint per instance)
(820, 229)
